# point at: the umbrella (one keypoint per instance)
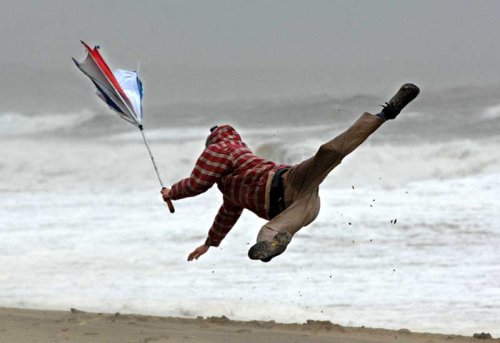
(121, 90)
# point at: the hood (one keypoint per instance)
(224, 133)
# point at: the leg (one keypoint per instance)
(301, 182)
(299, 214)
(308, 175)
(274, 236)
(301, 189)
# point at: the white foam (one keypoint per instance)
(82, 225)
(97, 163)
(397, 164)
(13, 124)
(113, 250)
(492, 112)
(169, 134)
(199, 133)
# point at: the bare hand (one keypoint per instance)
(165, 192)
(198, 252)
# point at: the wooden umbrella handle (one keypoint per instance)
(170, 206)
(169, 203)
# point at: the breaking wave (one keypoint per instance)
(395, 164)
(18, 124)
(448, 114)
(492, 112)
(117, 165)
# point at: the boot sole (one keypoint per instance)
(265, 250)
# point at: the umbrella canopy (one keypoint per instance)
(122, 90)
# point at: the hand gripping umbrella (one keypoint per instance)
(122, 91)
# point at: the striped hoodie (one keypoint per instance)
(243, 178)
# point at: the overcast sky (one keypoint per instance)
(207, 48)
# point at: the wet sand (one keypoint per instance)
(76, 326)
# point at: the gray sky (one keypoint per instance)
(210, 50)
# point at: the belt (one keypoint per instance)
(277, 196)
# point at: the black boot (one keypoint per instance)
(403, 97)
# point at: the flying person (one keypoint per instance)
(286, 196)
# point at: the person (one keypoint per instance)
(286, 196)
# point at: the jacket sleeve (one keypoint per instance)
(224, 221)
(211, 166)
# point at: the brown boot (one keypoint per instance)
(265, 250)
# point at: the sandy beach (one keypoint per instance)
(21, 325)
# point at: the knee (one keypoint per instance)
(328, 150)
(314, 205)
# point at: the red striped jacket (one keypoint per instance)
(241, 176)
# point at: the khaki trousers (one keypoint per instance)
(301, 182)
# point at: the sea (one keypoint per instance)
(408, 235)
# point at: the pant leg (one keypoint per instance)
(299, 214)
(301, 182)
(308, 175)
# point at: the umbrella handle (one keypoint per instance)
(170, 206)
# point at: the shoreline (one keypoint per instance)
(25, 325)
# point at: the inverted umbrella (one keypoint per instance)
(121, 90)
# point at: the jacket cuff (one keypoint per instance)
(211, 242)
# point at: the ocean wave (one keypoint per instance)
(174, 134)
(118, 165)
(492, 112)
(446, 114)
(200, 133)
(396, 164)
(18, 124)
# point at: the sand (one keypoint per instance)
(18, 325)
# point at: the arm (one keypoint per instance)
(227, 216)
(211, 166)
(224, 221)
